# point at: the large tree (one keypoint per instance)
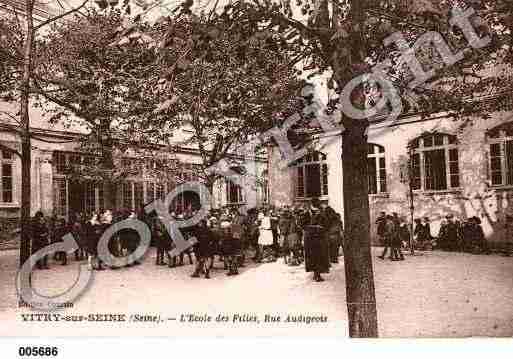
(346, 38)
(17, 42)
(86, 77)
(226, 81)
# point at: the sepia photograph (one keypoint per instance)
(256, 168)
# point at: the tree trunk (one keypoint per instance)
(209, 183)
(107, 148)
(25, 135)
(360, 293)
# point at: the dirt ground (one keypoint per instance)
(436, 294)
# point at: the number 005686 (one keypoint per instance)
(38, 351)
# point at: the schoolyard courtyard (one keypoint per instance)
(436, 294)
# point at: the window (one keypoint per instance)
(376, 169)
(150, 192)
(501, 155)
(60, 195)
(64, 162)
(186, 173)
(138, 195)
(312, 176)
(127, 195)
(101, 198)
(435, 163)
(89, 197)
(160, 191)
(233, 192)
(59, 162)
(6, 172)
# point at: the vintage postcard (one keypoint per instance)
(233, 168)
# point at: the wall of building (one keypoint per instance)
(43, 178)
(282, 181)
(475, 197)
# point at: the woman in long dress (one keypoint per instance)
(93, 232)
(265, 239)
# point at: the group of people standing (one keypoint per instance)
(453, 235)
(311, 234)
(87, 231)
(462, 237)
(393, 232)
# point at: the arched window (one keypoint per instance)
(234, 192)
(312, 175)
(500, 139)
(377, 173)
(435, 162)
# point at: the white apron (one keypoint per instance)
(266, 235)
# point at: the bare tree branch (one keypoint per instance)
(6, 148)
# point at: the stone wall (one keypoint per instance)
(475, 196)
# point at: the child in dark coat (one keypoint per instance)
(203, 249)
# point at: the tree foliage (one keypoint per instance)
(11, 42)
(332, 36)
(112, 88)
(225, 79)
